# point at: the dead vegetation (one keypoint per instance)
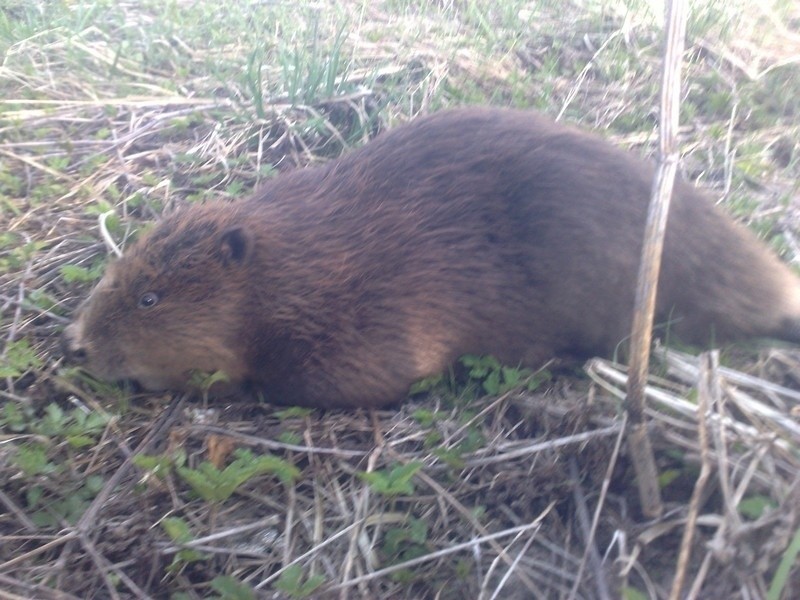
(525, 493)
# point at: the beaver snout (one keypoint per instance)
(73, 349)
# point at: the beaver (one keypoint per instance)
(470, 231)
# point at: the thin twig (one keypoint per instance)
(110, 243)
(599, 508)
(534, 525)
(707, 390)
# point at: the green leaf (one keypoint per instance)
(80, 441)
(76, 273)
(424, 417)
(405, 542)
(179, 532)
(473, 439)
(492, 383)
(214, 485)
(12, 417)
(291, 582)
(53, 422)
(177, 529)
(32, 460)
(204, 381)
(668, 476)
(788, 562)
(229, 588)
(290, 438)
(451, 456)
(19, 358)
(754, 506)
(293, 412)
(158, 464)
(33, 495)
(512, 377)
(630, 593)
(394, 482)
(426, 385)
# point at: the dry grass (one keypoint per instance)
(524, 495)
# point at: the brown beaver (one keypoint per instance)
(478, 231)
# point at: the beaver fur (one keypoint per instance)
(482, 231)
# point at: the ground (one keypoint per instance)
(495, 483)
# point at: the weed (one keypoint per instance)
(54, 492)
(782, 573)
(290, 438)
(78, 274)
(484, 372)
(179, 532)
(216, 486)
(754, 506)
(296, 585)
(405, 543)
(428, 384)
(32, 460)
(497, 379)
(205, 381)
(78, 428)
(18, 256)
(160, 465)
(393, 482)
(51, 508)
(18, 358)
(230, 588)
(293, 412)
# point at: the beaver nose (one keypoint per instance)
(72, 349)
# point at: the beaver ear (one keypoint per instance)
(235, 245)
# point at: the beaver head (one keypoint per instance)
(169, 306)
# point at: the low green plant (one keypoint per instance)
(632, 593)
(407, 542)
(102, 388)
(230, 588)
(179, 532)
(293, 412)
(485, 373)
(293, 582)
(753, 507)
(426, 417)
(788, 561)
(429, 384)
(496, 379)
(78, 274)
(309, 71)
(50, 509)
(393, 482)
(79, 428)
(290, 438)
(160, 465)
(20, 253)
(43, 458)
(18, 359)
(39, 299)
(215, 485)
(33, 460)
(205, 381)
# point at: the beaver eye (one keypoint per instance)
(148, 300)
